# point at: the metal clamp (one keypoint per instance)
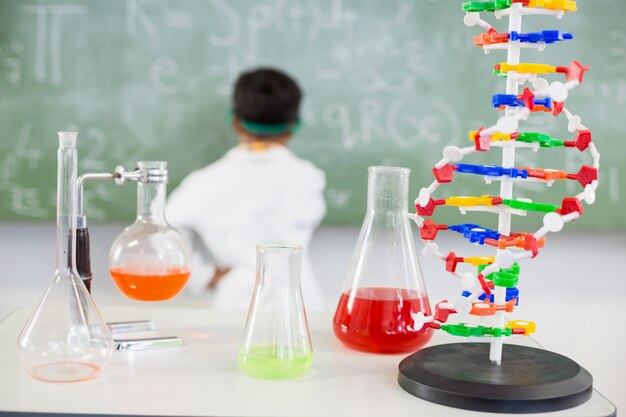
(146, 172)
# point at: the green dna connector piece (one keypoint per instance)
(545, 141)
(457, 329)
(530, 206)
(478, 331)
(497, 332)
(486, 6)
(514, 269)
(505, 277)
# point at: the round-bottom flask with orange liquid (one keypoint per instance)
(150, 260)
(384, 286)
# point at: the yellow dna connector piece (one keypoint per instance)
(463, 201)
(528, 68)
(479, 260)
(565, 5)
(494, 137)
(528, 326)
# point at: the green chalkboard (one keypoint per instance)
(386, 82)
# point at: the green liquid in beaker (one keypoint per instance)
(275, 361)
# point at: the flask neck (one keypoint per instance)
(387, 189)
(279, 265)
(151, 202)
(66, 202)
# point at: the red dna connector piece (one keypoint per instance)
(429, 209)
(570, 205)
(442, 314)
(451, 262)
(483, 284)
(528, 98)
(530, 243)
(586, 175)
(482, 143)
(575, 71)
(582, 140)
(429, 229)
(557, 107)
(444, 174)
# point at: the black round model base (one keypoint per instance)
(529, 380)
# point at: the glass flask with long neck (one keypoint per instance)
(384, 285)
(276, 342)
(150, 260)
(65, 338)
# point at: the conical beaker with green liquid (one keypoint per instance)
(276, 342)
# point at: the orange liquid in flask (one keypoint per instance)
(150, 286)
(380, 320)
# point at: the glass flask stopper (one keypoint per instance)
(276, 342)
(65, 338)
(384, 285)
(150, 260)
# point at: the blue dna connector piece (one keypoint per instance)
(474, 232)
(511, 293)
(547, 36)
(511, 100)
(491, 170)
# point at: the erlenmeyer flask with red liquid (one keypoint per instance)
(384, 286)
(150, 260)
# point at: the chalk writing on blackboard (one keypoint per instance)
(11, 64)
(617, 51)
(48, 39)
(136, 17)
(164, 75)
(180, 19)
(150, 79)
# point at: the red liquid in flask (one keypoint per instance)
(378, 320)
(150, 286)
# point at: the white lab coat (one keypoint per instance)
(243, 199)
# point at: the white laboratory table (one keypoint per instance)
(202, 377)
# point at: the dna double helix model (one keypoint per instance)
(491, 291)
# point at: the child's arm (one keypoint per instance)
(217, 276)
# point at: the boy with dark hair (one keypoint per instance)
(258, 192)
